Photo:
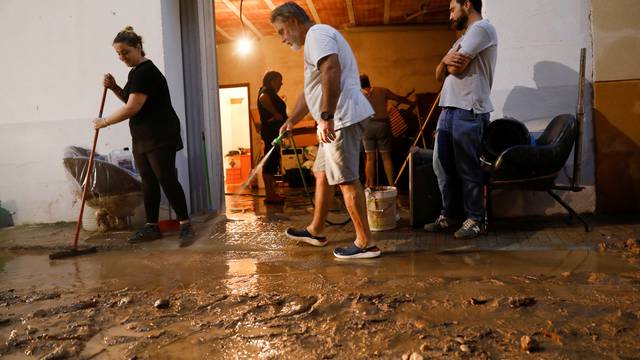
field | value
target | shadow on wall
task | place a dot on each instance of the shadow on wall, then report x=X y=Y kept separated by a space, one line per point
x=556 y=92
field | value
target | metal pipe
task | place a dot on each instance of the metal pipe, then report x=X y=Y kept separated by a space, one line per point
x=577 y=152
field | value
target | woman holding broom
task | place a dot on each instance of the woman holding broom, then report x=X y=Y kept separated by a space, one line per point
x=155 y=134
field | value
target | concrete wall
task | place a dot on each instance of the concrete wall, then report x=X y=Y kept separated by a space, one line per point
x=55 y=56
x=537 y=78
x=616 y=34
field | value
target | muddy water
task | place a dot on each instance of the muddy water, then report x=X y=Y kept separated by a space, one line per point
x=289 y=301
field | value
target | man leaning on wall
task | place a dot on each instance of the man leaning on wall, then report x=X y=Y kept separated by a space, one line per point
x=467 y=71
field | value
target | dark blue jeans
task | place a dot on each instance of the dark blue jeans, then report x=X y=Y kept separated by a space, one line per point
x=456 y=160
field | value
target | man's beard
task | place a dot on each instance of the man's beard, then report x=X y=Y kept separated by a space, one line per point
x=461 y=23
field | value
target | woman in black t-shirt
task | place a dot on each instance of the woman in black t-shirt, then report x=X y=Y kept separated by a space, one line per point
x=155 y=134
x=273 y=114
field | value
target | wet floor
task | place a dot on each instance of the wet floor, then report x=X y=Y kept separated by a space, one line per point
x=243 y=290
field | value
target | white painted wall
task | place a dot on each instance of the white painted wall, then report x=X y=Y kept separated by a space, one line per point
x=537 y=78
x=54 y=56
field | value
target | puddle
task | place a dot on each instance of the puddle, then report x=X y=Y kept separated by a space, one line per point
x=170 y=269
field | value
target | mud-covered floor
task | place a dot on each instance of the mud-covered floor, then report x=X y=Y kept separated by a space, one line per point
x=538 y=289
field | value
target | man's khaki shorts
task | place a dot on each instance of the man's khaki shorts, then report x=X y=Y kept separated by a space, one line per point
x=340 y=159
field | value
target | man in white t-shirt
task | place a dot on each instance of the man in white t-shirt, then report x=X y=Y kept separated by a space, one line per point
x=332 y=96
x=467 y=71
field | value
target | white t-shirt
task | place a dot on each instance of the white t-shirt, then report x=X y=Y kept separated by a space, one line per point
x=353 y=106
x=471 y=89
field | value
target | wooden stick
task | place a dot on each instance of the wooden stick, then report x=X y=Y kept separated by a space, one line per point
x=89 y=170
x=424 y=125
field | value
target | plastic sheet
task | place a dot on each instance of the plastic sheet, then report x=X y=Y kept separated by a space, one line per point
x=113 y=190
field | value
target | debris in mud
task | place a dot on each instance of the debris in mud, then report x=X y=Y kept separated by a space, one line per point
x=161 y=304
x=633 y=245
x=566 y=274
x=474 y=301
x=528 y=344
x=602 y=247
x=412 y=356
x=42 y=296
x=60 y=352
x=600 y=279
x=82 y=305
x=520 y=301
x=125 y=301
x=119 y=340
x=31 y=330
x=465 y=348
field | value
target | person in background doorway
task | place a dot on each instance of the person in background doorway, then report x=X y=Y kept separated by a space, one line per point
x=467 y=71
x=155 y=134
x=332 y=95
x=273 y=114
x=377 y=136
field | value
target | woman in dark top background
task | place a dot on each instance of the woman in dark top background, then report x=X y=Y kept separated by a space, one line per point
x=273 y=114
x=155 y=134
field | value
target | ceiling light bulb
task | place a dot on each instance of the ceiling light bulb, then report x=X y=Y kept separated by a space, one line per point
x=243 y=46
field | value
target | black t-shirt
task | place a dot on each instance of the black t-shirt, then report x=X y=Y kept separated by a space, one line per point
x=156 y=124
x=269 y=127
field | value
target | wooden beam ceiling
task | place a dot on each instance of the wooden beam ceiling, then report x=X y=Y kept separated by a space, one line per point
x=244 y=19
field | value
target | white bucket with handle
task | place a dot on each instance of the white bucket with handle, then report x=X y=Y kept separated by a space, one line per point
x=381 y=207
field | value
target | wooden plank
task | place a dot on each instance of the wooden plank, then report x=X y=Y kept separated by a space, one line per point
x=387 y=11
x=244 y=18
x=314 y=12
x=270 y=4
x=352 y=16
x=224 y=33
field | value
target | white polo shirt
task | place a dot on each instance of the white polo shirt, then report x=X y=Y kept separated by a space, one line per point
x=353 y=106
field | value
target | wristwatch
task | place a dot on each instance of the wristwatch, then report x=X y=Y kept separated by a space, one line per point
x=326 y=116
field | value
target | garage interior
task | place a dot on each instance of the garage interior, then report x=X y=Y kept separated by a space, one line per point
x=397 y=44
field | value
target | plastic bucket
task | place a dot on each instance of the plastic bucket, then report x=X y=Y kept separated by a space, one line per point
x=89 y=219
x=381 y=207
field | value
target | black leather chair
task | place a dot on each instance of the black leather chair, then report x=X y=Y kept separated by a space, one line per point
x=512 y=162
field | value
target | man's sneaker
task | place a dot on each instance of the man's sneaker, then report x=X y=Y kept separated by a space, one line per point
x=149 y=232
x=187 y=236
x=470 y=229
x=354 y=252
x=305 y=236
x=441 y=224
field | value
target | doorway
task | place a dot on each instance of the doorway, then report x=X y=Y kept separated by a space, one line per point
x=235 y=128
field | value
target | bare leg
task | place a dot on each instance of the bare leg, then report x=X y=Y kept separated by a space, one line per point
x=370 y=168
x=388 y=166
x=355 y=203
x=324 y=194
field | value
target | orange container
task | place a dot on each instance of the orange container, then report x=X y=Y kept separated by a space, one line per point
x=169 y=225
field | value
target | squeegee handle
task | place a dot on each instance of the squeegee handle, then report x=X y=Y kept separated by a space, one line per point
x=87 y=181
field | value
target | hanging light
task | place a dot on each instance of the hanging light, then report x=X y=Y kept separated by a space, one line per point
x=244 y=45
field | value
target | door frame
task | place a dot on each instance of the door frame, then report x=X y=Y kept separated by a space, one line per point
x=248 y=86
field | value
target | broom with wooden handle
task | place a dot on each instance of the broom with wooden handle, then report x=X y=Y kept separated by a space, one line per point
x=74 y=250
